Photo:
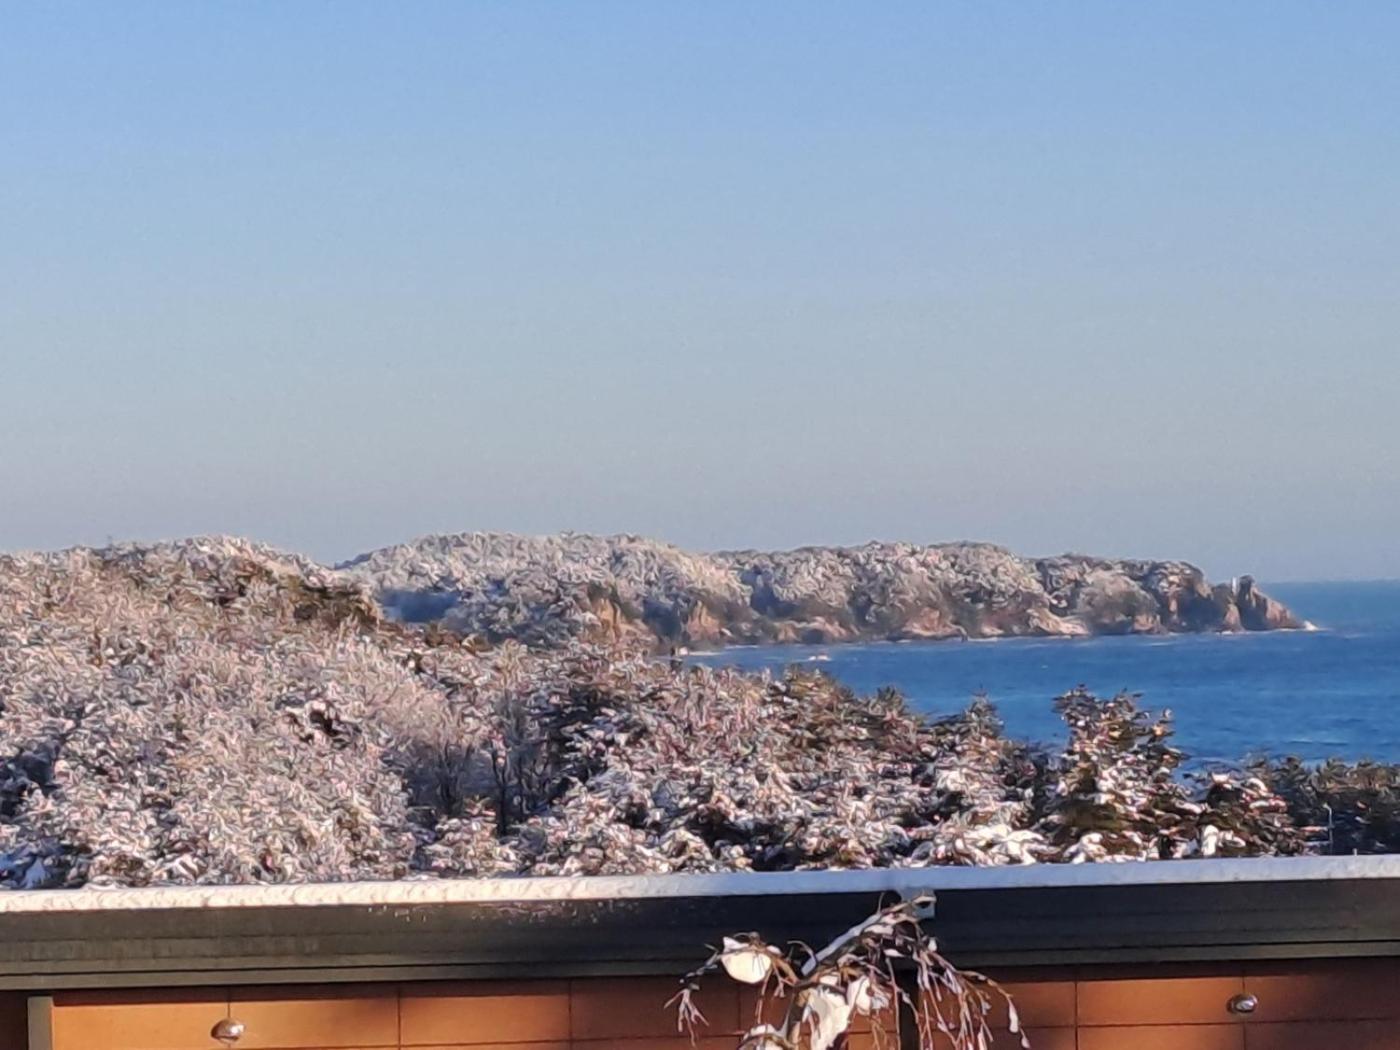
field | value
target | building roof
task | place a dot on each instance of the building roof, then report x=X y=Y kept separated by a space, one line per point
x=1042 y=914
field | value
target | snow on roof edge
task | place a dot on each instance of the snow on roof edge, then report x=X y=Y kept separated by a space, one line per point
x=905 y=882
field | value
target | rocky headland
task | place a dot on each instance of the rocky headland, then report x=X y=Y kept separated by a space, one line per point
x=637 y=591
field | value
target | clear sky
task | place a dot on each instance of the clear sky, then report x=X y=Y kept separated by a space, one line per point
x=1112 y=277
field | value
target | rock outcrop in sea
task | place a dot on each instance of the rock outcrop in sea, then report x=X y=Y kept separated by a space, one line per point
x=629 y=589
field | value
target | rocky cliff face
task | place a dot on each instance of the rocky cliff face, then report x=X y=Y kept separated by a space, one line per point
x=628 y=589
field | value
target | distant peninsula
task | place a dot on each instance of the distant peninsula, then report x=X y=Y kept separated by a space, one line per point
x=548 y=590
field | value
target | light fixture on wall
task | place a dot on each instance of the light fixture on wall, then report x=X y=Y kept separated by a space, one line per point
x=228 y=1031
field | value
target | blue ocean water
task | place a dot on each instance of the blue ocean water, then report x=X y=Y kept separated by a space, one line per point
x=1316 y=694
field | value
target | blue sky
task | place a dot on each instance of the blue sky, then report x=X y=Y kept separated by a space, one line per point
x=1119 y=278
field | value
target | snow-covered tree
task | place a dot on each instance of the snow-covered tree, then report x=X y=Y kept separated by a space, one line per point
x=808 y=1000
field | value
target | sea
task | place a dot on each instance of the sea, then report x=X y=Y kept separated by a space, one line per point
x=1331 y=691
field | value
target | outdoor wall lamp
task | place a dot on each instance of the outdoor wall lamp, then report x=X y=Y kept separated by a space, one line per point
x=228 y=1031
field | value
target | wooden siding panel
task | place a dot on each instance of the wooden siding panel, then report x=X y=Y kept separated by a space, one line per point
x=1041 y=1039
x=867 y=1040
x=14 y=1021
x=170 y=1019
x=1163 y=1037
x=1045 y=1007
x=1158 y=1001
x=1303 y=1005
x=475 y=1013
x=317 y=1018
x=1323 y=1035
x=1039 y=1004
x=608 y=1008
x=1326 y=990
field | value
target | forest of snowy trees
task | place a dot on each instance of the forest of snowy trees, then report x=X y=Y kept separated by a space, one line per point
x=214 y=711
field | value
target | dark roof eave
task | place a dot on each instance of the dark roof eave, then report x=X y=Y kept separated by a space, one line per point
x=661 y=923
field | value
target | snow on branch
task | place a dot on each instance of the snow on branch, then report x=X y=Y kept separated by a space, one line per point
x=808 y=1000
